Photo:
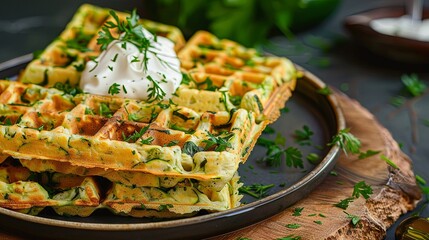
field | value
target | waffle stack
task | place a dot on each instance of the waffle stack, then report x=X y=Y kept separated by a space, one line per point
x=77 y=153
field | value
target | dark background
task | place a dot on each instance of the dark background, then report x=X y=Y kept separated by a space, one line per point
x=27 y=26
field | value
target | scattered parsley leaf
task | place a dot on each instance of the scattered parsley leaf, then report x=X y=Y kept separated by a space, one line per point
x=293 y=157
x=105 y=110
x=420 y=180
x=284 y=110
x=388 y=161
x=290 y=237
x=293 y=225
x=413 y=84
x=333 y=173
x=155 y=91
x=324 y=91
x=114 y=89
x=171 y=143
x=344 y=204
x=312 y=215
x=318 y=222
x=269 y=130
x=368 y=153
x=303 y=137
x=67 y=88
x=397 y=101
x=191 y=148
x=322 y=215
x=347 y=141
x=256 y=190
x=164 y=207
x=220 y=143
x=361 y=188
x=313 y=158
x=297 y=211
x=353 y=218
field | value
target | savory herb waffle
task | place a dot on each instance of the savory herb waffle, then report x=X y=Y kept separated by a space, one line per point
x=223 y=75
x=69 y=194
x=77 y=152
x=64 y=59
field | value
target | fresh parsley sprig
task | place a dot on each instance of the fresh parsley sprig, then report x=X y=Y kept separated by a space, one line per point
x=413 y=84
x=347 y=141
x=276 y=153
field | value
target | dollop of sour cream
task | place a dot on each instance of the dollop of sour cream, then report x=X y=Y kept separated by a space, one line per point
x=403 y=27
x=131 y=73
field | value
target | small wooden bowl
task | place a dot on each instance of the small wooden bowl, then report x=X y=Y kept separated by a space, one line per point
x=397 y=48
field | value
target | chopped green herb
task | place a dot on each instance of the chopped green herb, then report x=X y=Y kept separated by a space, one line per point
x=136 y=135
x=397 y=101
x=353 y=218
x=124 y=89
x=156 y=93
x=220 y=142
x=172 y=143
x=114 y=89
x=344 y=204
x=303 y=137
x=321 y=215
x=256 y=190
x=269 y=130
x=297 y=211
x=333 y=173
x=209 y=86
x=347 y=141
x=312 y=215
x=420 y=180
x=236 y=100
x=67 y=88
x=388 y=161
x=105 y=110
x=318 y=222
x=79 y=67
x=293 y=225
x=313 y=158
x=284 y=110
x=361 y=188
x=191 y=148
x=368 y=153
x=290 y=237
x=325 y=91
x=413 y=84
x=164 y=207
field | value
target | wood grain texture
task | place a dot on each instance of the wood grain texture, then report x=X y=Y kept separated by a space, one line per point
x=395 y=191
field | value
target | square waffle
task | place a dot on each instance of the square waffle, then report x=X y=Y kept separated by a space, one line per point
x=80 y=152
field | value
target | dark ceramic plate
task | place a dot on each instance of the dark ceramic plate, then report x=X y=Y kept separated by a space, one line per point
x=397 y=48
x=307 y=107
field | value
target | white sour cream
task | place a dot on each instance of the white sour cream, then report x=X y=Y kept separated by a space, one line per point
x=123 y=65
x=402 y=27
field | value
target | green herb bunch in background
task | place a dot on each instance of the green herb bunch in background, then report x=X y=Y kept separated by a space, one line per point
x=249 y=22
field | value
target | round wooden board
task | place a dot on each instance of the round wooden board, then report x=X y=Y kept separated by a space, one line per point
x=395 y=191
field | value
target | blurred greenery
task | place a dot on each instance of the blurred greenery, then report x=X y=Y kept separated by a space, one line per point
x=247 y=21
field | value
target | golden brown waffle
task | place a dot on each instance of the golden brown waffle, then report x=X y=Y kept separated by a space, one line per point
x=132 y=157
x=223 y=75
x=64 y=59
x=113 y=133
x=69 y=194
